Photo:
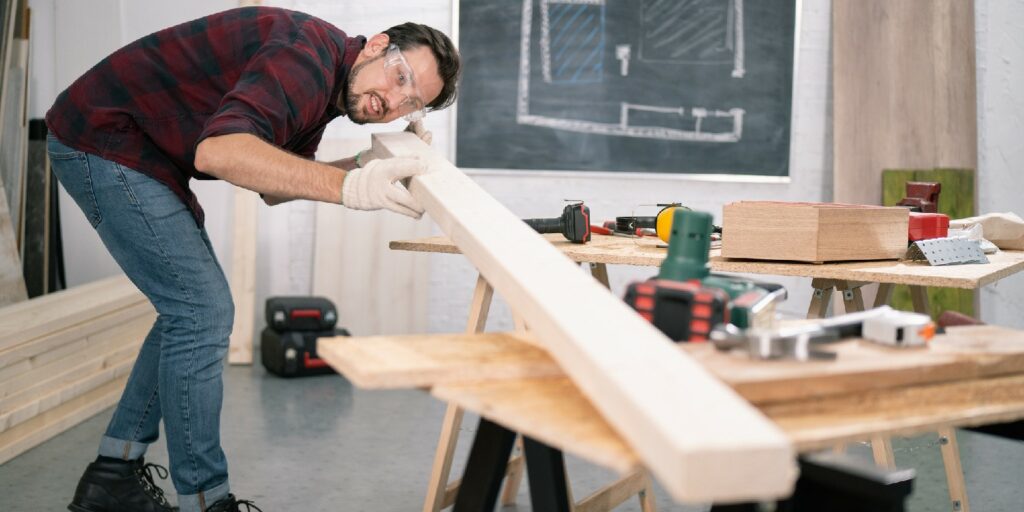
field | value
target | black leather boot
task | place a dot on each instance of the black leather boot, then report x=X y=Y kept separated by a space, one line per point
x=232 y=504
x=115 y=485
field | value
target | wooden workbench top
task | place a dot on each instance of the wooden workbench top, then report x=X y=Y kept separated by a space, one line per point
x=617 y=250
x=970 y=376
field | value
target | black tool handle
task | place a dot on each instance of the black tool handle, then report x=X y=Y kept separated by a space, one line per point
x=545 y=225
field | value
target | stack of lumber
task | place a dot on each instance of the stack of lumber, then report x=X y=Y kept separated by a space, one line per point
x=65 y=357
x=813 y=232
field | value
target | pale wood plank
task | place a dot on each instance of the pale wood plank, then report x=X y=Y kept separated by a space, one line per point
x=48 y=347
x=243 y=277
x=704 y=445
x=613 y=494
x=47 y=425
x=643 y=252
x=44 y=315
x=954 y=470
x=903 y=91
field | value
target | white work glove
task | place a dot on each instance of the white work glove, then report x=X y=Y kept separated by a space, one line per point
x=424 y=134
x=376 y=186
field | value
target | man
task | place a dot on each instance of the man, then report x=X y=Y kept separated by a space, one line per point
x=241 y=96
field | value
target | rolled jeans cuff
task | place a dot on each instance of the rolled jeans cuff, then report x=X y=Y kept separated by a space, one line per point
x=121 y=449
x=204 y=499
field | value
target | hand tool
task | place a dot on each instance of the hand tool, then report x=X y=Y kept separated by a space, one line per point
x=882 y=325
x=685 y=301
x=574 y=223
x=922 y=196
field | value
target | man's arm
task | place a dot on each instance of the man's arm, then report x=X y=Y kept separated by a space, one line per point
x=249 y=162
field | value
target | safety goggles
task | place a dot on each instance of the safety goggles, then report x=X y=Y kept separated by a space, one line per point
x=400 y=77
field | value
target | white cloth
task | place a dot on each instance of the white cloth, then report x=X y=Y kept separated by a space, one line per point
x=1006 y=230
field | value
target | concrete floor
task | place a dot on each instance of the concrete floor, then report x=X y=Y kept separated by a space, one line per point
x=317 y=444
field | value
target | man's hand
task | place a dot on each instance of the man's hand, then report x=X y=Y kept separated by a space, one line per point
x=424 y=134
x=376 y=186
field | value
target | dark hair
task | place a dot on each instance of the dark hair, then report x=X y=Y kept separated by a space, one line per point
x=410 y=35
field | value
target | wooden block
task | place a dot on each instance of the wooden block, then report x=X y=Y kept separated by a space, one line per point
x=813 y=232
x=391 y=362
x=707 y=444
x=41 y=428
x=56 y=311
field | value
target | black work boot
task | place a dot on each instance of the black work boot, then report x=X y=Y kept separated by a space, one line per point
x=232 y=504
x=115 y=485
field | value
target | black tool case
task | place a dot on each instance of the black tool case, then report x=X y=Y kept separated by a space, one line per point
x=286 y=314
x=293 y=353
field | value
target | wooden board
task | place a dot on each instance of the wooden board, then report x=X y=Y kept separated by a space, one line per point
x=60 y=343
x=644 y=252
x=903 y=78
x=705 y=445
x=390 y=362
x=813 y=232
x=955 y=200
x=964 y=353
x=57 y=311
x=47 y=425
x=243 y=277
x=12 y=283
x=555 y=412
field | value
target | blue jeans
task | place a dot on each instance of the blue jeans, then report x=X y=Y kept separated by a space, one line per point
x=177 y=377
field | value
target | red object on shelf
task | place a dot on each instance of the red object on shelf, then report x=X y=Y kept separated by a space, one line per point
x=924 y=226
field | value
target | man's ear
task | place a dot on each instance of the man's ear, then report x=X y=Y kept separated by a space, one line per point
x=376 y=45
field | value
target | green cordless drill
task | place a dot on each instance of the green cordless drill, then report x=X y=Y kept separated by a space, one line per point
x=686 y=301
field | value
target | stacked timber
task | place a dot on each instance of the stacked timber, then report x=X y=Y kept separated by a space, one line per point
x=813 y=232
x=65 y=357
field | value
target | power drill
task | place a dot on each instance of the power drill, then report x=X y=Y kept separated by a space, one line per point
x=686 y=301
x=574 y=223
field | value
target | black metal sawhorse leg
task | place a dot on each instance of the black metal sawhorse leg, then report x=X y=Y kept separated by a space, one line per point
x=840 y=483
x=488 y=458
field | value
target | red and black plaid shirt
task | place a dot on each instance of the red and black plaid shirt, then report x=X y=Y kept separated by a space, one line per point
x=274 y=73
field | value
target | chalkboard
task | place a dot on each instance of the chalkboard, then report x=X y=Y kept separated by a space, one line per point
x=666 y=86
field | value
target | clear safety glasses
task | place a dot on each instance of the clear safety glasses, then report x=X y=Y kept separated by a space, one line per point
x=399 y=75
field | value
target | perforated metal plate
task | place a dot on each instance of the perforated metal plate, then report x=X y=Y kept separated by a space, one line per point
x=947 y=251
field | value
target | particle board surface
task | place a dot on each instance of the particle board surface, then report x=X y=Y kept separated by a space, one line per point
x=644 y=252
x=813 y=232
x=707 y=445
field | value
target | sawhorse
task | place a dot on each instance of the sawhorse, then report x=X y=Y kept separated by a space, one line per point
x=441 y=493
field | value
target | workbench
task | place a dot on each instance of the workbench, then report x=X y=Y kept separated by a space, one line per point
x=846 y=278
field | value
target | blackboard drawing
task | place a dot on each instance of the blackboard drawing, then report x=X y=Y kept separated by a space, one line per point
x=571 y=44
x=693 y=31
x=575 y=31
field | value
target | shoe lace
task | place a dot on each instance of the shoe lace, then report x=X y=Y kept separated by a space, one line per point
x=149 y=485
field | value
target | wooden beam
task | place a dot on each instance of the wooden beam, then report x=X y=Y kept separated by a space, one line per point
x=243 y=277
x=702 y=441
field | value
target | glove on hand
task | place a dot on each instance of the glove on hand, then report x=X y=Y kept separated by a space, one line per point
x=376 y=186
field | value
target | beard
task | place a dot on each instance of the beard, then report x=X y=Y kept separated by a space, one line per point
x=351 y=97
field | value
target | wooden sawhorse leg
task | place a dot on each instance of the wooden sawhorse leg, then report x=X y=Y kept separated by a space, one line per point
x=441 y=494
x=881 y=446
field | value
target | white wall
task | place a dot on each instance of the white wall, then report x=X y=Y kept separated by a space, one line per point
x=1000 y=54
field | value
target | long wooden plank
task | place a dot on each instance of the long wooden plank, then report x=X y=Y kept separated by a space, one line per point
x=60 y=343
x=243 y=277
x=47 y=425
x=644 y=252
x=707 y=444
x=56 y=311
